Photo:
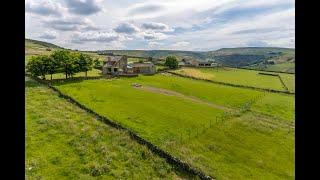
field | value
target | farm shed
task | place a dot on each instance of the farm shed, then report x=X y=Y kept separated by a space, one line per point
x=141 y=68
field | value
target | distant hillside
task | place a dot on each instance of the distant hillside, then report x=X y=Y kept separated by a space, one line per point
x=45 y=44
x=252 y=55
x=264 y=58
x=161 y=54
x=34 y=47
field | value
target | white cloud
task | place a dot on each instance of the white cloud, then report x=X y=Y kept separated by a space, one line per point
x=162 y=24
x=70 y=24
x=181 y=45
x=154 y=36
x=80 y=37
x=126 y=28
x=84 y=7
x=157 y=26
x=49 y=35
x=154 y=45
x=46 y=7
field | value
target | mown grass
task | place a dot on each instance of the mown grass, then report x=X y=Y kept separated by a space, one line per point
x=140 y=109
x=234 y=76
x=223 y=95
x=64 y=142
x=250 y=146
x=289 y=81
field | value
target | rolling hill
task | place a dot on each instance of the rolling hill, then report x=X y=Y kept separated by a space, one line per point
x=262 y=58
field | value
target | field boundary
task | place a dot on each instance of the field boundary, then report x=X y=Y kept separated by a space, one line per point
x=260 y=70
x=284 y=85
x=230 y=84
x=174 y=161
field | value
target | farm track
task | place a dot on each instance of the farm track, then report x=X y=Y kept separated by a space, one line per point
x=191 y=98
x=263 y=118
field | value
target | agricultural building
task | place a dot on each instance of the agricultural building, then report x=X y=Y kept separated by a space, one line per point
x=141 y=68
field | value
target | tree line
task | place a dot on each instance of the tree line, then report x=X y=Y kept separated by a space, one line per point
x=61 y=61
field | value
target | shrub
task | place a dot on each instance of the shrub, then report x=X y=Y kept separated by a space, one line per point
x=171 y=62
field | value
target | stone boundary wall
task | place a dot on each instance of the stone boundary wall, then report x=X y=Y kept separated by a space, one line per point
x=177 y=163
x=234 y=85
x=260 y=70
x=268 y=74
x=283 y=84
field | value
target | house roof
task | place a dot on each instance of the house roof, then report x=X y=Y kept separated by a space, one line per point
x=141 y=64
x=113 y=58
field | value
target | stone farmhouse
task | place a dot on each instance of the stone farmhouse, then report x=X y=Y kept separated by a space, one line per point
x=118 y=65
x=115 y=65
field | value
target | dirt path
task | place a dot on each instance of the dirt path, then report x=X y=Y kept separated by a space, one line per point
x=191 y=98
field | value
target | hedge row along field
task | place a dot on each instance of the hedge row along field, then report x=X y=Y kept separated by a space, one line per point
x=64 y=142
x=239 y=77
x=182 y=116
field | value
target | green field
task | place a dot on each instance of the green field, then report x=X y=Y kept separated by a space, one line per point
x=289 y=81
x=64 y=142
x=282 y=67
x=238 y=77
x=179 y=115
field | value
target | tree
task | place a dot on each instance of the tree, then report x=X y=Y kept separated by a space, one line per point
x=37 y=67
x=96 y=63
x=171 y=62
x=50 y=65
x=84 y=63
x=63 y=60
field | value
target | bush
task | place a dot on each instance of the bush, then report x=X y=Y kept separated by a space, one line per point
x=171 y=62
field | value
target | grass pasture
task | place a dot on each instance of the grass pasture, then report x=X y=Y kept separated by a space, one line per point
x=236 y=76
x=64 y=142
x=249 y=146
x=284 y=67
x=289 y=81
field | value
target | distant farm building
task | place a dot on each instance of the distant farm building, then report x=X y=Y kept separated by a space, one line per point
x=190 y=62
x=196 y=63
x=118 y=65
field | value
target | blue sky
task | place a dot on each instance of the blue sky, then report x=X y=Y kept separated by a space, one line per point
x=199 y=25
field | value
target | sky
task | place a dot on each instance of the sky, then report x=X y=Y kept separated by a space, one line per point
x=192 y=25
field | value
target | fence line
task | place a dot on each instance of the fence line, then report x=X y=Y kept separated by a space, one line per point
x=181 y=165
